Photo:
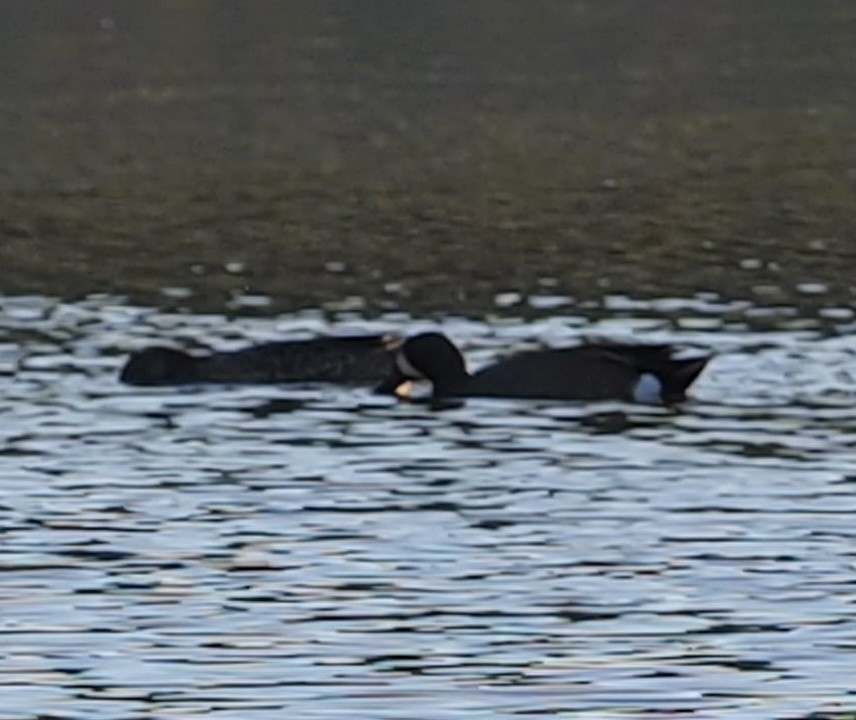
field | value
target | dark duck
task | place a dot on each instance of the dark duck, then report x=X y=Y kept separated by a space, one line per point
x=593 y=371
x=362 y=359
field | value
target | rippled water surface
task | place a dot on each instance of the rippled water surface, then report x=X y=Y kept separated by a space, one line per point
x=270 y=552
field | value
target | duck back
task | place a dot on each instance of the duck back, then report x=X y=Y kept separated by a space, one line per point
x=350 y=360
x=646 y=373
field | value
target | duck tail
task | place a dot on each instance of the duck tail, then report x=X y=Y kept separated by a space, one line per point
x=674 y=375
x=678 y=375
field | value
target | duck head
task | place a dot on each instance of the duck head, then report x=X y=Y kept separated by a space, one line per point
x=428 y=356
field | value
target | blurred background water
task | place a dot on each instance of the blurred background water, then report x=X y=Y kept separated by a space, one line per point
x=516 y=175
x=427 y=156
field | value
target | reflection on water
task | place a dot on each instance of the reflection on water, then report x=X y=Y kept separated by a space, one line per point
x=244 y=552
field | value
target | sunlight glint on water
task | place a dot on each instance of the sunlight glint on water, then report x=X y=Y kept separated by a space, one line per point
x=216 y=551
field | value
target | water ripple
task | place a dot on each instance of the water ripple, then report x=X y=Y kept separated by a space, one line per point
x=240 y=552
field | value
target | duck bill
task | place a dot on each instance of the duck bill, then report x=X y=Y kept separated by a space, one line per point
x=396 y=383
x=402 y=392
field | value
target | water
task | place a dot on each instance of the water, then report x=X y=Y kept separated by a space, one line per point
x=427 y=157
x=560 y=169
x=262 y=552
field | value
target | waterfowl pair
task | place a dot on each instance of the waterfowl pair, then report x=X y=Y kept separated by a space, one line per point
x=601 y=371
x=362 y=359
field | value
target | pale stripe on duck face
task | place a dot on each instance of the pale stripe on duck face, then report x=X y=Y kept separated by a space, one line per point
x=406 y=368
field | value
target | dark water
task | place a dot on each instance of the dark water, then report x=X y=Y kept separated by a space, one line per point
x=427 y=156
x=321 y=552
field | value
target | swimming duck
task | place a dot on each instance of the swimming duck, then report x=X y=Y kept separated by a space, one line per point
x=599 y=371
x=362 y=359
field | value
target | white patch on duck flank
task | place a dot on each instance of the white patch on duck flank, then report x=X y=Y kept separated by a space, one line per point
x=648 y=389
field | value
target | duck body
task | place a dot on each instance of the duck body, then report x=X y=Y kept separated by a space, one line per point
x=362 y=359
x=599 y=371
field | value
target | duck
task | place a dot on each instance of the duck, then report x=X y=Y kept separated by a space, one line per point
x=642 y=373
x=356 y=359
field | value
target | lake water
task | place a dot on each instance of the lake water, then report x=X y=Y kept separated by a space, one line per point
x=427 y=157
x=659 y=169
x=267 y=552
